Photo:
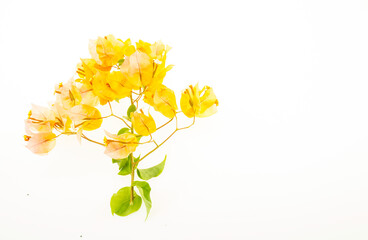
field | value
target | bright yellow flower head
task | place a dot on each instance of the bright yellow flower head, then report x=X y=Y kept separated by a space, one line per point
x=137 y=69
x=107 y=51
x=120 y=146
x=87 y=69
x=144 y=125
x=40 y=120
x=68 y=94
x=41 y=143
x=199 y=103
x=86 y=117
x=109 y=86
x=162 y=99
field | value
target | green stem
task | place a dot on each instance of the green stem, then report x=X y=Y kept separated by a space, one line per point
x=132 y=179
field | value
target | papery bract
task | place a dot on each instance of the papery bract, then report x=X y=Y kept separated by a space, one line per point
x=41 y=143
x=162 y=99
x=87 y=117
x=106 y=51
x=137 y=69
x=144 y=125
x=109 y=86
x=120 y=146
x=68 y=94
x=199 y=103
x=40 y=120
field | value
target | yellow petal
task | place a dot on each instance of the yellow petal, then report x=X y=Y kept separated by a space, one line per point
x=138 y=70
x=121 y=145
x=143 y=125
x=208 y=102
x=186 y=104
x=199 y=103
x=86 y=116
x=162 y=99
x=41 y=143
x=106 y=51
x=117 y=83
x=68 y=94
x=40 y=119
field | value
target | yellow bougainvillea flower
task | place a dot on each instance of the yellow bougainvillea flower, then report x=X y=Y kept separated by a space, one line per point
x=63 y=122
x=40 y=120
x=41 y=143
x=128 y=48
x=109 y=86
x=68 y=94
x=144 y=125
x=107 y=51
x=88 y=97
x=154 y=70
x=120 y=146
x=199 y=103
x=162 y=99
x=87 y=117
x=137 y=69
x=87 y=69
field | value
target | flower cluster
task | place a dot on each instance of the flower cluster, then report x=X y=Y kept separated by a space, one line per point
x=116 y=70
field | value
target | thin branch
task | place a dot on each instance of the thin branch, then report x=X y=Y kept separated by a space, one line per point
x=84 y=136
x=177 y=129
x=164 y=124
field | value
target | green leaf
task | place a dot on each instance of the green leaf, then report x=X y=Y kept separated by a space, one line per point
x=123 y=130
x=149 y=173
x=131 y=109
x=137 y=158
x=116 y=161
x=138 y=137
x=121 y=61
x=145 y=190
x=125 y=166
x=120 y=202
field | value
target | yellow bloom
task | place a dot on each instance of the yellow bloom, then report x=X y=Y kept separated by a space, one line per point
x=86 y=92
x=120 y=146
x=87 y=117
x=157 y=52
x=199 y=103
x=41 y=143
x=106 y=51
x=137 y=69
x=162 y=99
x=128 y=48
x=109 y=86
x=68 y=94
x=87 y=69
x=142 y=124
x=40 y=120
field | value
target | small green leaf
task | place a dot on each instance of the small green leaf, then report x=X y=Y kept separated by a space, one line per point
x=125 y=166
x=145 y=190
x=138 y=137
x=120 y=202
x=149 y=173
x=131 y=109
x=137 y=158
x=116 y=161
x=123 y=130
x=121 y=61
x=126 y=118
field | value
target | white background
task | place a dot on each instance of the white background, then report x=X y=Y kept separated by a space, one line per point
x=285 y=157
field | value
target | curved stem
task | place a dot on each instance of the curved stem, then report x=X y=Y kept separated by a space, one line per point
x=84 y=136
x=177 y=129
x=122 y=119
x=132 y=179
x=164 y=124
